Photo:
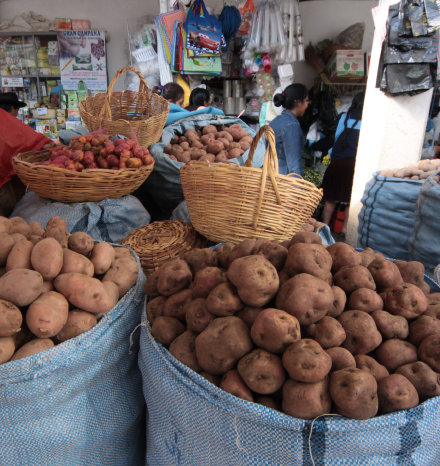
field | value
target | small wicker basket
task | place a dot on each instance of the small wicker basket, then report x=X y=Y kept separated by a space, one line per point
x=141 y=113
x=161 y=241
x=228 y=202
x=64 y=185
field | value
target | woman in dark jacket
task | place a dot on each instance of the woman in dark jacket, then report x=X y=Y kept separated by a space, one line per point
x=338 y=178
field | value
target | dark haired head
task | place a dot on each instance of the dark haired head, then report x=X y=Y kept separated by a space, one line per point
x=199 y=97
x=172 y=92
x=291 y=96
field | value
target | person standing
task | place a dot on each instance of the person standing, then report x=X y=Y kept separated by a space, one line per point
x=289 y=137
x=338 y=178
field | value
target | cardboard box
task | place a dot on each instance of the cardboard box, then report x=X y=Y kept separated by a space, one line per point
x=80 y=24
x=346 y=64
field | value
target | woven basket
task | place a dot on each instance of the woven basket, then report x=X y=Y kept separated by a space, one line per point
x=228 y=202
x=163 y=240
x=64 y=185
x=141 y=113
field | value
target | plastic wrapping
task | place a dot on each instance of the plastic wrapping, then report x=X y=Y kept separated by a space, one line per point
x=432 y=8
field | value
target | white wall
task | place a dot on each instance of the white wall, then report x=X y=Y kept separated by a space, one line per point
x=321 y=19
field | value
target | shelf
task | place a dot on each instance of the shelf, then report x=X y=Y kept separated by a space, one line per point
x=27 y=34
x=56 y=76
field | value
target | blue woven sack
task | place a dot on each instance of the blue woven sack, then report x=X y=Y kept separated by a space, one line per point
x=109 y=220
x=424 y=244
x=191 y=421
x=163 y=186
x=388 y=215
x=79 y=403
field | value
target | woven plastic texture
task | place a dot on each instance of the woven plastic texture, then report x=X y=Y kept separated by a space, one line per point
x=108 y=220
x=79 y=403
x=191 y=421
x=388 y=215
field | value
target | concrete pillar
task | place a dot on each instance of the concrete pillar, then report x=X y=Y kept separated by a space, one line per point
x=391 y=136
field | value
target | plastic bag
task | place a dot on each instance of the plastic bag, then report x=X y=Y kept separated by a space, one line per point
x=352 y=37
x=432 y=8
x=246 y=12
x=412 y=18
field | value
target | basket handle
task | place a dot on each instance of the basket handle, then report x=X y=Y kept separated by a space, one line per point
x=106 y=111
x=270 y=166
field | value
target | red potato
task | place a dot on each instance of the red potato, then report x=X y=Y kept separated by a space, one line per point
x=309 y=258
x=365 y=299
x=223 y=300
x=7 y=349
x=305 y=237
x=74 y=262
x=361 y=332
x=206 y=280
x=78 y=322
x=343 y=255
x=274 y=330
x=390 y=326
x=6 y=244
x=396 y=393
x=173 y=276
x=200 y=258
x=306 y=400
x=341 y=358
x=327 y=332
x=369 y=364
x=21 y=286
x=47 y=258
x=20 y=256
x=351 y=278
x=102 y=256
x=36 y=228
x=123 y=272
x=232 y=383
x=197 y=315
x=175 y=304
x=261 y=371
x=183 y=348
x=32 y=347
x=19 y=225
x=56 y=228
x=11 y=319
x=385 y=274
x=81 y=242
x=394 y=353
x=405 y=300
x=274 y=252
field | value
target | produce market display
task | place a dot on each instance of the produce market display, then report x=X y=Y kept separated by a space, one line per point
x=55 y=285
x=419 y=171
x=300 y=327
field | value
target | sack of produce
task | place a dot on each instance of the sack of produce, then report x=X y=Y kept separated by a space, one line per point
x=71 y=389
x=388 y=214
x=424 y=243
x=292 y=353
x=162 y=191
x=108 y=220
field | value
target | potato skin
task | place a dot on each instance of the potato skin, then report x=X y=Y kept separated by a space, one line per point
x=425 y=380
x=327 y=332
x=20 y=256
x=429 y=351
x=339 y=302
x=6 y=244
x=47 y=315
x=365 y=299
x=306 y=361
x=343 y=255
x=32 y=347
x=261 y=371
x=309 y=258
x=385 y=274
x=200 y=258
x=56 y=228
x=422 y=327
x=306 y=400
x=223 y=300
x=405 y=300
x=124 y=273
x=197 y=315
x=393 y=353
x=11 y=319
x=395 y=393
x=206 y=280
x=350 y=278
x=47 y=258
x=274 y=330
x=81 y=242
x=255 y=278
x=102 y=257
x=7 y=349
x=369 y=364
x=232 y=383
x=77 y=323
x=166 y=329
x=173 y=276
x=155 y=308
x=354 y=393
x=305 y=237
x=248 y=314
x=223 y=342
x=274 y=252
x=175 y=304
x=411 y=272
x=390 y=326
x=21 y=286
x=183 y=348
x=341 y=358
x=76 y=262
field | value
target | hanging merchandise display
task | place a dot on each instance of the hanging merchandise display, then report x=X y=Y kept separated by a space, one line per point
x=246 y=11
x=165 y=27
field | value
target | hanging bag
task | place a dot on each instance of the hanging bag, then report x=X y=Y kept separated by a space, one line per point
x=247 y=11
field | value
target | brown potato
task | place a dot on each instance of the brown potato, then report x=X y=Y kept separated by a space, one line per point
x=209 y=129
x=102 y=256
x=395 y=393
x=10 y=319
x=155 y=308
x=255 y=278
x=207 y=138
x=343 y=255
x=206 y=280
x=166 y=329
x=394 y=353
x=6 y=244
x=150 y=287
x=245 y=248
x=248 y=314
x=411 y=272
x=367 y=256
x=7 y=349
x=424 y=379
x=270 y=401
x=306 y=361
x=273 y=252
x=56 y=228
x=21 y=286
x=223 y=252
x=36 y=228
x=81 y=242
x=390 y=326
x=173 y=276
x=327 y=332
x=341 y=358
x=429 y=352
x=197 y=315
x=175 y=304
x=78 y=322
x=369 y=364
x=199 y=259
x=305 y=237
x=262 y=371
x=306 y=400
x=351 y=278
x=225 y=135
x=309 y=258
x=365 y=299
x=183 y=348
x=47 y=258
x=74 y=262
x=223 y=300
x=306 y=297
x=361 y=331
x=385 y=274
x=274 y=330
x=232 y=383
x=354 y=393
x=223 y=342
x=215 y=380
x=422 y=327
x=20 y=256
x=19 y=225
x=5 y=225
x=32 y=347
x=405 y=300
x=124 y=273
x=339 y=301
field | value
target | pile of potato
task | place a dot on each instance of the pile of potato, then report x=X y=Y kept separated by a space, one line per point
x=212 y=143
x=55 y=285
x=419 y=171
x=300 y=327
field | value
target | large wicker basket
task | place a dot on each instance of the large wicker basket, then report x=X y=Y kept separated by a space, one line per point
x=161 y=241
x=228 y=202
x=141 y=113
x=64 y=185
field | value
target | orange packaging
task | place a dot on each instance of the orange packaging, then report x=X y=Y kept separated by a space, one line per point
x=80 y=24
x=63 y=23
